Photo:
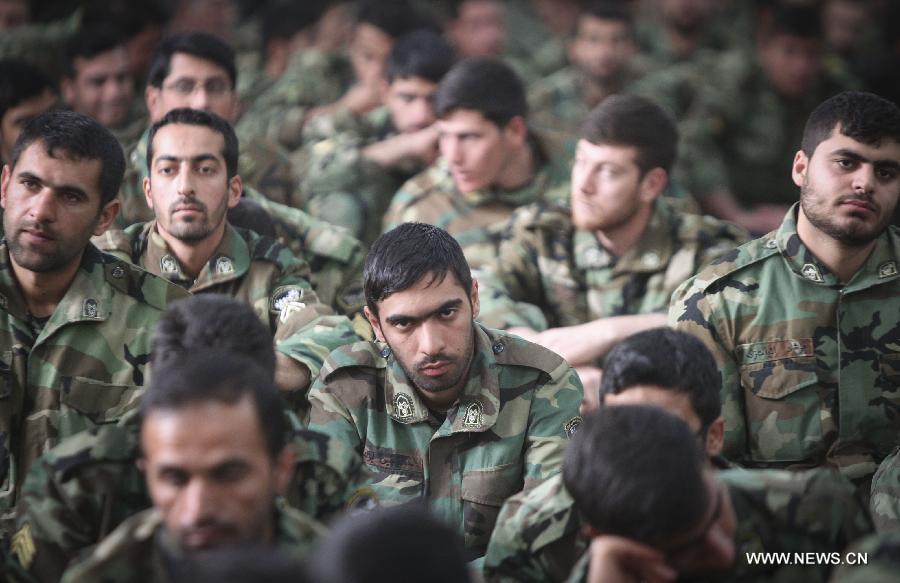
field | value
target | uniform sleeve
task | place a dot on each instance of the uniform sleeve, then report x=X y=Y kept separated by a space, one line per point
x=330 y=415
x=552 y=420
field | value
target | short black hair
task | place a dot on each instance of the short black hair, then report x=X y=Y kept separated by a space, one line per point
x=212 y=321
x=404 y=543
x=76 y=136
x=87 y=44
x=19 y=82
x=407 y=253
x=197 y=44
x=671 y=360
x=392 y=17
x=422 y=53
x=792 y=19
x=244 y=564
x=631 y=120
x=488 y=86
x=282 y=19
x=604 y=10
x=223 y=376
x=196 y=117
x=865 y=117
x=637 y=472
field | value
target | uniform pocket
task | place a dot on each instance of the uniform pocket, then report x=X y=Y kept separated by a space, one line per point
x=96 y=401
x=483 y=493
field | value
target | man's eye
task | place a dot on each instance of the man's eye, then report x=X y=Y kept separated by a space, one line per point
x=402 y=324
x=173 y=478
x=205 y=169
x=846 y=163
x=165 y=170
x=72 y=197
x=29 y=184
x=447 y=313
x=886 y=173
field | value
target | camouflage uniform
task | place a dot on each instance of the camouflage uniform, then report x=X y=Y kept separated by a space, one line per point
x=506 y=432
x=544 y=260
x=141 y=551
x=780 y=511
x=885 y=499
x=255 y=270
x=810 y=366
x=41 y=44
x=882 y=553
x=134 y=126
x=81 y=367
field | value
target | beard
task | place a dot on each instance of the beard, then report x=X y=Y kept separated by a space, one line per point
x=196 y=229
x=852 y=233
x=458 y=367
x=56 y=257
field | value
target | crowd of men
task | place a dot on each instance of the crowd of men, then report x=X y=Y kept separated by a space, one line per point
x=468 y=290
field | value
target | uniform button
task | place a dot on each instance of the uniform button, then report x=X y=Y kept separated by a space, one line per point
x=118 y=272
x=385 y=352
x=498 y=347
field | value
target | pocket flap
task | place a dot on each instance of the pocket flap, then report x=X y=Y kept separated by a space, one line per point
x=492 y=486
x=101 y=402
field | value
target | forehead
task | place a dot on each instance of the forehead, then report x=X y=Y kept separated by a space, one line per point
x=676 y=403
x=60 y=169
x=606 y=153
x=478 y=9
x=116 y=57
x=588 y=23
x=185 y=65
x=884 y=149
x=372 y=37
x=414 y=85
x=187 y=140
x=464 y=120
x=423 y=297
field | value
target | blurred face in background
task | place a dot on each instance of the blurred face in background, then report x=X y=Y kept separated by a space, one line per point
x=101 y=87
x=479 y=29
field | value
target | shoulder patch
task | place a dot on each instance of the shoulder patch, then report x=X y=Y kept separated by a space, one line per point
x=22 y=546
x=359 y=354
x=572 y=425
x=363 y=500
x=285 y=295
x=742 y=256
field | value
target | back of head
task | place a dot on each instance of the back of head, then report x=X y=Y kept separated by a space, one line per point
x=392 y=17
x=422 y=53
x=397 y=544
x=667 y=359
x=401 y=257
x=636 y=471
x=630 y=120
x=20 y=82
x=202 y=118
x=792 y=19
x=201 y=45
x=609 y=10
x=865 y=117
x=485 y=85
x=76 y=136
x=238 y=565
x=89 y=43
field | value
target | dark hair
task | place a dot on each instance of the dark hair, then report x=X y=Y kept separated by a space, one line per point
x=87 y=44
x=636 y=471
x=791 y=19
x=604 y=10
x=485 y=85
x=197 y=44
x=204 y=375
x=865 y=117
x=244 y=564
x=19 y=82
x=671 y=360
x=282 y=19
x=392 y=17
x=404 y=255
x=403 y=543
x=631 y=120
x=76 y=137
x=422 y=53
x=212 y=321
x=196 y=117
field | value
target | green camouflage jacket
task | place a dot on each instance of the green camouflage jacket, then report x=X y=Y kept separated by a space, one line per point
x=884 y=502
x=814 y=511
x=139 y=550
x=810 y=366
x=256 y=270
x=881 y=553
x=544 y=260
x=83 y=367
x=507 y=431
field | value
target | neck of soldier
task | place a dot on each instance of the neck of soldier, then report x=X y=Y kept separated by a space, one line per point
x=518 y=170
x=44 y=290
x=193 y=255
x=622 y=238
x=595 y=89
x=841 y=259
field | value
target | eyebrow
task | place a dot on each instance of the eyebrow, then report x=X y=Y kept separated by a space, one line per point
x=845 y=153
x=413 y=319
x=195 y=159
x=60 y=187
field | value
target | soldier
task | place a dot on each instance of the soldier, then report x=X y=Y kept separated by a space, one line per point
x=657 y=511
x=603 y=268
x=442 y=409
x=801 y=320
x=25 y=93
x=193 y=180
x=476 y=28
x=491 y=162
x=215 y=458
x=74 y=321
x=353 y=174
x=539 y=534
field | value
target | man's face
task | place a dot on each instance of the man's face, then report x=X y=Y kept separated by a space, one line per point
x=196 y=83
x=479 y=30
x=52 y=209
x=607 y=186
x=792 y=64
x=848 y=190
x=429 y=328
x=18 y=116
x=369 y=51
x=477 y=150
x=188 y=186
x=602 y=48
x=102 y=87
x=13 y=13
x=210 y=474
x=845 y=22
x=411 y=103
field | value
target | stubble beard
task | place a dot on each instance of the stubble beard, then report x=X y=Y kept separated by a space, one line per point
x=853 y=234
x=459 y=367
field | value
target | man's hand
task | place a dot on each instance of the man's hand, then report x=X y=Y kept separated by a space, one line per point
x=420 y=145
x=620 y=560
x=291 y=376
x=590 y=379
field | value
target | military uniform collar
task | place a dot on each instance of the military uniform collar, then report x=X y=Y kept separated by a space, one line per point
x=230 y=261
x=530 y=192
x=478 y=406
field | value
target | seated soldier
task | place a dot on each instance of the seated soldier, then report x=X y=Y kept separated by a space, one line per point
x=491 y=162
x=539 y=534
x=655 y=509
x=605 y=266
x=443 y=410
x=215 y=456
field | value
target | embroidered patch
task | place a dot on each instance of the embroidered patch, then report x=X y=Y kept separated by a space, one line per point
x=651 y=259
x=285 y=295
x=90 y=308
x=363 y=500
x=288 y=309
x=571 y=426
x=224 y=265
x=3 y=301
x=758 y=352
x=118 y=272
x=811 y=272
x=474 y=414
x=403 y=406
x=22 y=546
x=887 y=269
x=167 y=264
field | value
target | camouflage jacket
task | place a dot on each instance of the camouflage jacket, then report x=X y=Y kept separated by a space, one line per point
x=810 y=366
x=83 y=488
x=140 y=551
x=782 y=512
x=83 y=367
x=256 y=270
x=884 y=502
x=881 y=553
x=544 y=260
x=506 y=432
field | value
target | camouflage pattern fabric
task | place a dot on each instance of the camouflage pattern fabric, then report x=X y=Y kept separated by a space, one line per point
x=82 y=367
x=41 y=44
x=256 y=270
x=810 y=366
x=140 y=549
x=882 y=555
x=884 y=502
x=506 y=432
x=134 y=127
x=544 y=260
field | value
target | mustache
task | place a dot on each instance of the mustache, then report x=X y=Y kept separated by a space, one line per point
x=39 y=227
x=439 y=357
x=184 y=203
x=866 y=198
